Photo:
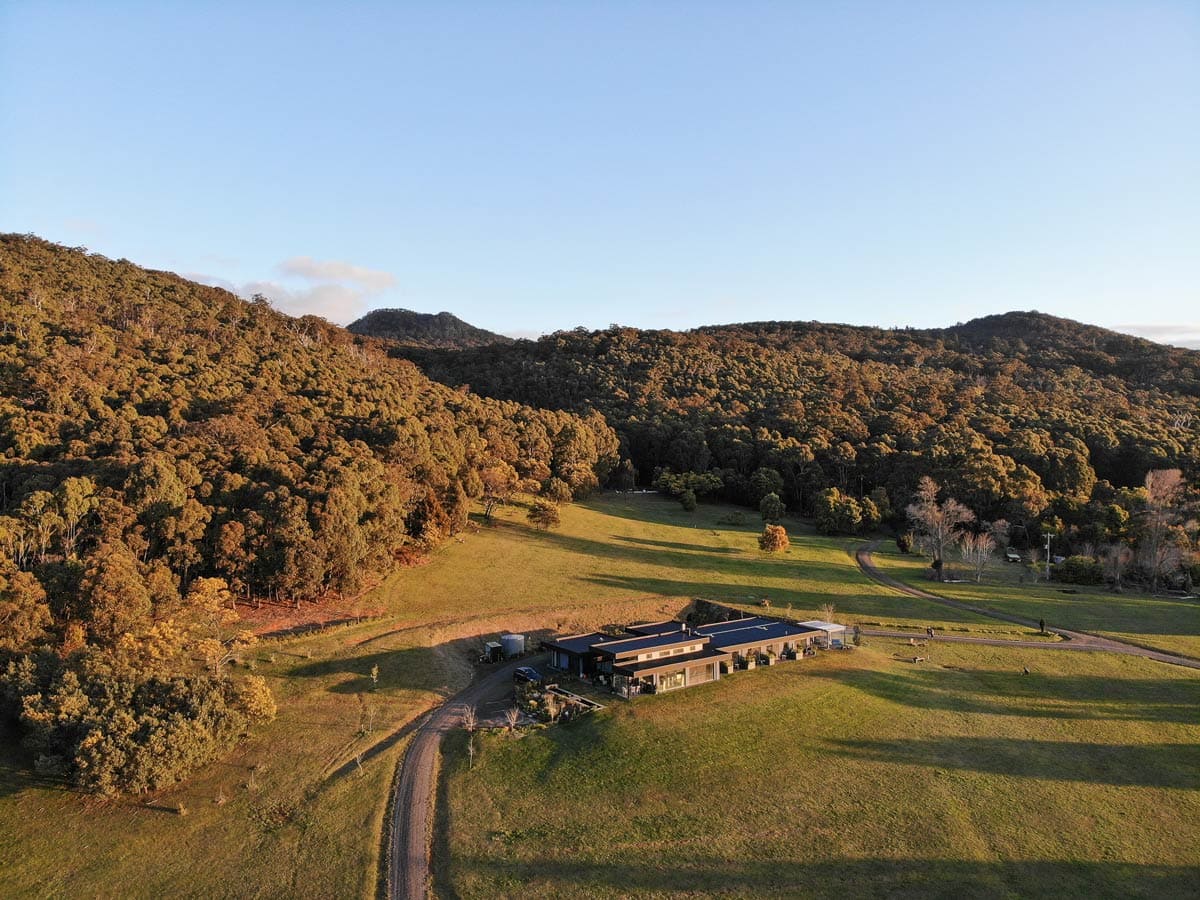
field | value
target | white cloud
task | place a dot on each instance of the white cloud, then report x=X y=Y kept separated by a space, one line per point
x=309 y=269
x=1178 y=335
x=335 y=290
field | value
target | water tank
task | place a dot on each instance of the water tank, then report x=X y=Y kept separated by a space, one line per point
x=513 y=644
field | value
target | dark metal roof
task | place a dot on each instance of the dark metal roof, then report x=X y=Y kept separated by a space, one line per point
x=577 y=643
x=649 y=628
x=755 y=635
x=622 y=646
x=646 y=666
x=733 y=624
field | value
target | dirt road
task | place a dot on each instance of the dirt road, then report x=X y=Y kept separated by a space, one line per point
x=1072 y=640
x=416 y=782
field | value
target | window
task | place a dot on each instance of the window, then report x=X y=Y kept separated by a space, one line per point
x=671 y=681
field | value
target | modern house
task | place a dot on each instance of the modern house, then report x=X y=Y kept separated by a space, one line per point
x=665 y=656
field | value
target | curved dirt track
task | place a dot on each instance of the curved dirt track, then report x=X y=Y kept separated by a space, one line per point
x=416 y=783
x=1072 y=640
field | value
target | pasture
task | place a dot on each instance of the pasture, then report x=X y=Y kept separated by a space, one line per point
x=297 y=808
x=1161 y=622
x=852 y=774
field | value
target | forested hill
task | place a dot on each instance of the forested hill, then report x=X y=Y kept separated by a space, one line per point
x=227 y=438
x=163 y=443
x=1018 y=415
x=424 y=329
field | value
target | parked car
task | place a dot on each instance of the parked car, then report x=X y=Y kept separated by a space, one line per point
x=527 y=673
x=1012 y=555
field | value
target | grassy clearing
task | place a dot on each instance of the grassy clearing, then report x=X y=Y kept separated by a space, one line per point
x=850 y=775
x=1160 y=622
x=622 y=547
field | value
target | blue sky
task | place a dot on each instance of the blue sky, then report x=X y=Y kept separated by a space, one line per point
x=535 y=166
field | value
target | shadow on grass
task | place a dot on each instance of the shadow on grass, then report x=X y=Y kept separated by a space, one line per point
x=658 y=554
x=840 y=878
x=674 y=545
x=1009 y=693
x=881 y=607
x=412 y=668
x=1122 y=765
x=17 y=772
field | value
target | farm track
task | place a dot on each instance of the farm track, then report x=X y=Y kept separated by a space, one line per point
x=1072 y=640
x=413 y=793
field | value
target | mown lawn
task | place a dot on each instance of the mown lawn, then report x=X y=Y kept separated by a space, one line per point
x=1161 y=622
x=851 y=775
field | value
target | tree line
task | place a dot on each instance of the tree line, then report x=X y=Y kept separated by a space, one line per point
x=1157 y=549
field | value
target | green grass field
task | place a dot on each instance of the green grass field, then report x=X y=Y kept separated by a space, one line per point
x=1160 y=622
x=851 y=775
x=628 y=547
x=289 y=814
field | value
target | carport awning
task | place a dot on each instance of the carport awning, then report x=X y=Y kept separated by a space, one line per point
x=827 y=627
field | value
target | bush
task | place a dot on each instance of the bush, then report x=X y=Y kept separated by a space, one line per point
x=836 y=513
x=543 y=514
x=904 y=543
x=1078 y=570
x=688 y=500
x=109 y=730
x=773 y=539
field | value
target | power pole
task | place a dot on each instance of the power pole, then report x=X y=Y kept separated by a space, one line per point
x=1047 y=557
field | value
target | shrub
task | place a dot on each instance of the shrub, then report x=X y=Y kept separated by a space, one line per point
x=1078 y=570
x=904 y=543
x=773 y=539
x=544 y=514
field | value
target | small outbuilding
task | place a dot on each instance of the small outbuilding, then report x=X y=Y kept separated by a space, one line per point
x=831 y=634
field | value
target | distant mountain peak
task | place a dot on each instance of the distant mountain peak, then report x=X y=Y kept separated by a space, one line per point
x=441 y=330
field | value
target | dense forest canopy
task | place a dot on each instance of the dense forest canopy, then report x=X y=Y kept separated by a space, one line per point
x=1021 y=416
x=164 y=446
x=424 y=329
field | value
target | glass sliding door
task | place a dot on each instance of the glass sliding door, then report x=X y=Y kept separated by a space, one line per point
x=671 y=681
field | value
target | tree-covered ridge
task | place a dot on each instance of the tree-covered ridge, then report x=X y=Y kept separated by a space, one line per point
x=416 y=329
x=164 y=446
x=1016 y=427
x=226 y=438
